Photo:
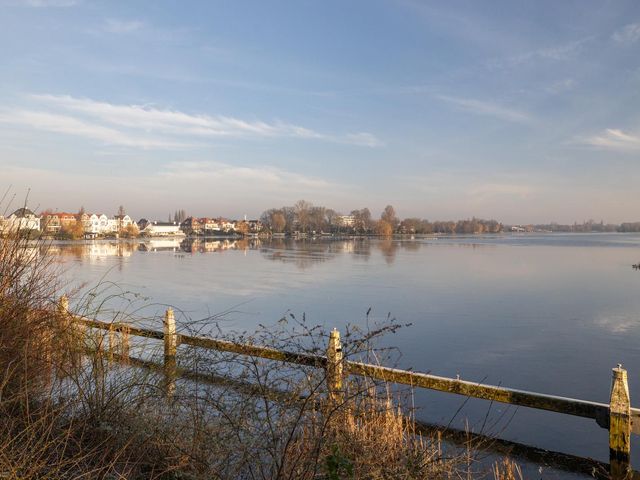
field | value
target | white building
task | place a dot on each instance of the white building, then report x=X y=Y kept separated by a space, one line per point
x=21 y=219
x=122 y=222
x=210 y=225
x=227 y=225
x=162 y=229
x=100 y=224
x=346 y=220
x=112 y=225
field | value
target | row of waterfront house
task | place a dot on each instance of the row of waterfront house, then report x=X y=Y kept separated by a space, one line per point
x=94 y=225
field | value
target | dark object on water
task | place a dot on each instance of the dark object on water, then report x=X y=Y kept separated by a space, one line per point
x=636 y=266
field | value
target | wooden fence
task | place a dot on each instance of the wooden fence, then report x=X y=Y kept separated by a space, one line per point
x=618 y=417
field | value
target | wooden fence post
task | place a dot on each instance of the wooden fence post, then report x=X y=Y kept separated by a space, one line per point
x=334 y=368
x=619 y=424
x=124 y=342
x=119 y=341
x=113 y=341
x=63 y=306
x=170 y=349
x=69 y=329
x=65 y=321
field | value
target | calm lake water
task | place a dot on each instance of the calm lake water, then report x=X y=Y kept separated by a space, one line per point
x=548 y=313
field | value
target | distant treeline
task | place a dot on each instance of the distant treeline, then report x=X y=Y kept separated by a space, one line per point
x=585 y=227
x=305 y=217
x=629 y=227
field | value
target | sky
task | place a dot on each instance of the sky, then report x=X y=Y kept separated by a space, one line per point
x=526 y=112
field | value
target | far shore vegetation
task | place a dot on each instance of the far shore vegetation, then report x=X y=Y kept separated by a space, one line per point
x=300 y=220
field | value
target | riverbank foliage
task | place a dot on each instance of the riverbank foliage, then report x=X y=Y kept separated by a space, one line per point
x=305 y=217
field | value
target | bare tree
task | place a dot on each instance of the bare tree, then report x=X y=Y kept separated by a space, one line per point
x=389 y=216
x=278 y=222
x=302 y=210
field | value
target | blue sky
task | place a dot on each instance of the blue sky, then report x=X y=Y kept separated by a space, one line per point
x=520 y=111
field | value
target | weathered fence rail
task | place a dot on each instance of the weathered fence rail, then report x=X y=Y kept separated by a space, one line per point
x=618 y=417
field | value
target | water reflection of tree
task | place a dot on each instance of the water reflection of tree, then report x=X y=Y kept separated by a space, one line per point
x=410 y=245
x=303 y=254
x=388 y=249
x=306 y=253
x=362 y=248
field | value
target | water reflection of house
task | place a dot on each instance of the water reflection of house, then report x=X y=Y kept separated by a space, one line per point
x=108 y=250
x=160 y=245
x=204 y=246
x=91 y=250
x=345 y=246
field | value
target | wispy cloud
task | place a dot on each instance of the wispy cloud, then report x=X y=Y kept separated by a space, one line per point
x=492 y=190
x=482 y=107
x=55 y=123
x=241 y=176
x=627 y=35
x=42 y=3
x=558 y=53
x=615 y=139
x=113 y=25
x=145 y=126
x=363 y=139
x=561 y=86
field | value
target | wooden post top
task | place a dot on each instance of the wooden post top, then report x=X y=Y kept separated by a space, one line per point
x=334 y=349
x=64 y=303
x=620 y=401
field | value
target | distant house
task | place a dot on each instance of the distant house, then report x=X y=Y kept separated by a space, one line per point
x=210 y=226
x=142 y=223
x=162 y=229
x=89 y=223
x=98 y=224
x=192 y=226
x=112 y=226
x=54 y=222
x=255 y=226
x=20 y=220
x=50 y=223
x=226 y=225
x=122 y=222
x=346 y=220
